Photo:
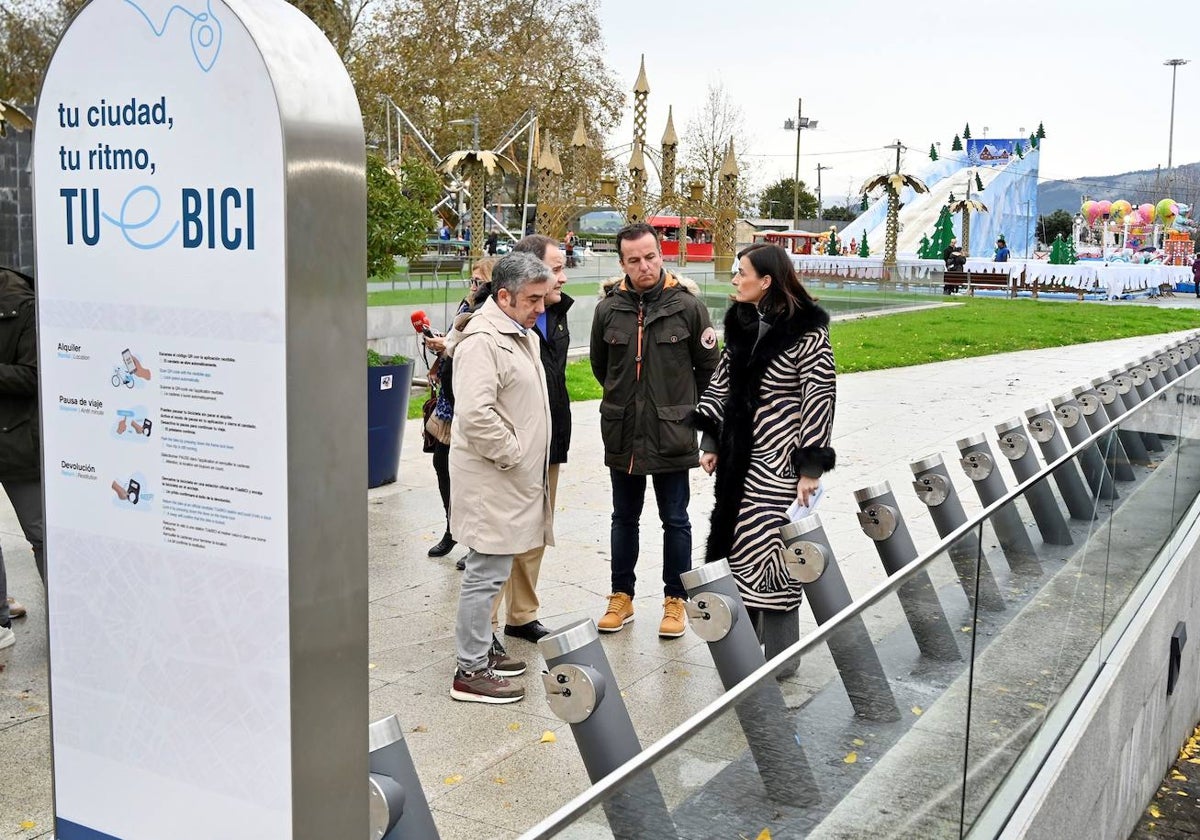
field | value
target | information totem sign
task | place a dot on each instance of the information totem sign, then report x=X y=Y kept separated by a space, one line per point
x=200 y=213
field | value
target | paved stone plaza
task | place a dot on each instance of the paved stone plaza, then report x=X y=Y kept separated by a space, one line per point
x=486 y=770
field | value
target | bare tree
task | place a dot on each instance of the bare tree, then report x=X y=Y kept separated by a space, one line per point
x=707 y=140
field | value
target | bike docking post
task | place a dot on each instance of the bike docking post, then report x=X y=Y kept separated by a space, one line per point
x=1090 y=405
x=1113 y=407
x=719 y=617
x=1127 y=391
x=1044 y=430
x=936 y=491
x=811 y=561
x=881 y=520
x=1155 y=372
x=1141 y=380
x=1172 y=361
x=399 y=810
x=1069 y=414
x=1014 y=445
x=980 y=466
x=582 y=690
x=1188 y=352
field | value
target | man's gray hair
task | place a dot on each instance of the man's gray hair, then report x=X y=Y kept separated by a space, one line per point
x=517 y=270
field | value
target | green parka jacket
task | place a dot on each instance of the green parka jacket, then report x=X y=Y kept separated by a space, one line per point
x=653 y=353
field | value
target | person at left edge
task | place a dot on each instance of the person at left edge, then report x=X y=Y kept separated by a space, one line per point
x=20 y=450
x=499 y=455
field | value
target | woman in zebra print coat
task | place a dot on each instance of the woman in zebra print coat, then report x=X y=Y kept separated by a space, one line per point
x=767 y=419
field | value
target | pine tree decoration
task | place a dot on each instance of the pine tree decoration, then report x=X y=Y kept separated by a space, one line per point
x=1071 y=256
x=967 y=132
x=834 y=248
x=1041 y=132
x=1020 y=149
x=943 y=232
x=956 y=146
x=864 y=250
x=1033 y=141
x=978 y=182
x=1058 y=251
x=932 y=152
x=923 y=251
x=862 y=207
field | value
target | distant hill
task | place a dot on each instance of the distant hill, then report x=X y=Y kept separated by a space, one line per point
x=1136 y=187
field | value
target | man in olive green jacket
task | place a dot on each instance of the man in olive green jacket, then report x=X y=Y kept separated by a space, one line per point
x=653 y=349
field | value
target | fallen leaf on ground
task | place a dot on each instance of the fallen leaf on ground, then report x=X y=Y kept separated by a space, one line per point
x=1154 y=812
x=500 y=780
x=1037 y=706
x=420 y=728
x=455 y=779
x=513 y=727
x=765 y=834
x=548 y=737
x=28 y=824
x=851 y=757
x=917 y=710
x=858 y=742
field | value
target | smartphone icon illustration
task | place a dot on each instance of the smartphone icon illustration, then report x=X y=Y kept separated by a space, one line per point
x=146 y=427
x=134 y=490
x=127 y=357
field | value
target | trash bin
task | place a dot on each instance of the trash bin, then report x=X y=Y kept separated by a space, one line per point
x=388 y=387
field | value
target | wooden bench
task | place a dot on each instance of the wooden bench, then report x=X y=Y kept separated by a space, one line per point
x=432 y=265
x=953 y=280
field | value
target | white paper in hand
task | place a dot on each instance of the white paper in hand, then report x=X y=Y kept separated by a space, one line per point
x=798 y=511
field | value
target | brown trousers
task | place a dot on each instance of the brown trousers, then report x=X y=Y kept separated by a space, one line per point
x=520 y=590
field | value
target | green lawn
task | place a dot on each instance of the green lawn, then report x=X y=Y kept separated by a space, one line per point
x=978 y=327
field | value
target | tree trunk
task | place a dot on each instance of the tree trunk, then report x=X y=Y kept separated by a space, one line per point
x=893 y=229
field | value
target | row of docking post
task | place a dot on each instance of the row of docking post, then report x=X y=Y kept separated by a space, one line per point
x=583 y=691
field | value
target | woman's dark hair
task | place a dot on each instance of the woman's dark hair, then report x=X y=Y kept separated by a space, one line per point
x=786 y=293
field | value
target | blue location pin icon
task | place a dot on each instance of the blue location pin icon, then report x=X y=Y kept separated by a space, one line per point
x=206 y=39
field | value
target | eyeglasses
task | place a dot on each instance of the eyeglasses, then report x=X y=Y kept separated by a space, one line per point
x=475 y=281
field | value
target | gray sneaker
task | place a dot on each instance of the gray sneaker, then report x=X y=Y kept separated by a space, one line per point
x=484 y=687
x=501 y=663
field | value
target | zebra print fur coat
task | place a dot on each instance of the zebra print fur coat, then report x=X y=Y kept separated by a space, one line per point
x=770 y=407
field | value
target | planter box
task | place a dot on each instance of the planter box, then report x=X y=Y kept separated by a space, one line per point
x=388 y=389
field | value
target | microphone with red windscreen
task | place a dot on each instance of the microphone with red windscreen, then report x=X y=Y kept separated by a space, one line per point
x=420 y=322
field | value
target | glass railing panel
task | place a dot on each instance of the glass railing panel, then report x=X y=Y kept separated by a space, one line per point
x=865 y=727
x=1044 y=649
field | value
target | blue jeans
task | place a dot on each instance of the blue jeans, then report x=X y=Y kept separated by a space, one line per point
x=672 y=492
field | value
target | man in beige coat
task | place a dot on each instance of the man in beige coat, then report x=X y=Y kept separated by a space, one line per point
x=499 y=454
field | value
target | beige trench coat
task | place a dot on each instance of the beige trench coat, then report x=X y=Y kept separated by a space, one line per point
x=500 y=438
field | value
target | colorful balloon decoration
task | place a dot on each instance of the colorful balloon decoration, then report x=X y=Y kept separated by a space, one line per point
x=1105 y=207
x=1085 y=210
x=1119 y=210
x=1167 y=210
x=1147 y=211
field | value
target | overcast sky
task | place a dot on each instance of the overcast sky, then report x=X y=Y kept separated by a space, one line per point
x=872 y=71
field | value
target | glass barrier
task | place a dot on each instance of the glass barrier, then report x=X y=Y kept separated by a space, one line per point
x=927 y=708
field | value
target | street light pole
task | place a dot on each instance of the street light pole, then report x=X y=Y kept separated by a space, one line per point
x=796 y=179
x=1174 y=64
x=801 y=122
x=820 y=206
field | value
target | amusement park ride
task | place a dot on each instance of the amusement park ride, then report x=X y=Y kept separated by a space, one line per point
x=1118 y=231
x=594 y=179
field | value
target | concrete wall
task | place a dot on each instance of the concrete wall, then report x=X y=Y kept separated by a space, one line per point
x=1115 y=752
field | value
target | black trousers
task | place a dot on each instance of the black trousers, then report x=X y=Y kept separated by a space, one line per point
x=441 y=466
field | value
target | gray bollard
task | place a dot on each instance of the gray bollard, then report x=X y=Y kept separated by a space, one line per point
x=1127 y=392
x=1113 y=407
x=1143 y=379
x=582 y=690
x=936 y=491
x=1189 y=355
x=399 y=810
x=719 y=616
x=811 y=561
x=1044 y=429
x=1174 y=360
x=1163 y=360
x=980 y=466
x=881 y=520
x=1096 y=418
x=1015 y=446
x=1069 y=414
x=1154 y=371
